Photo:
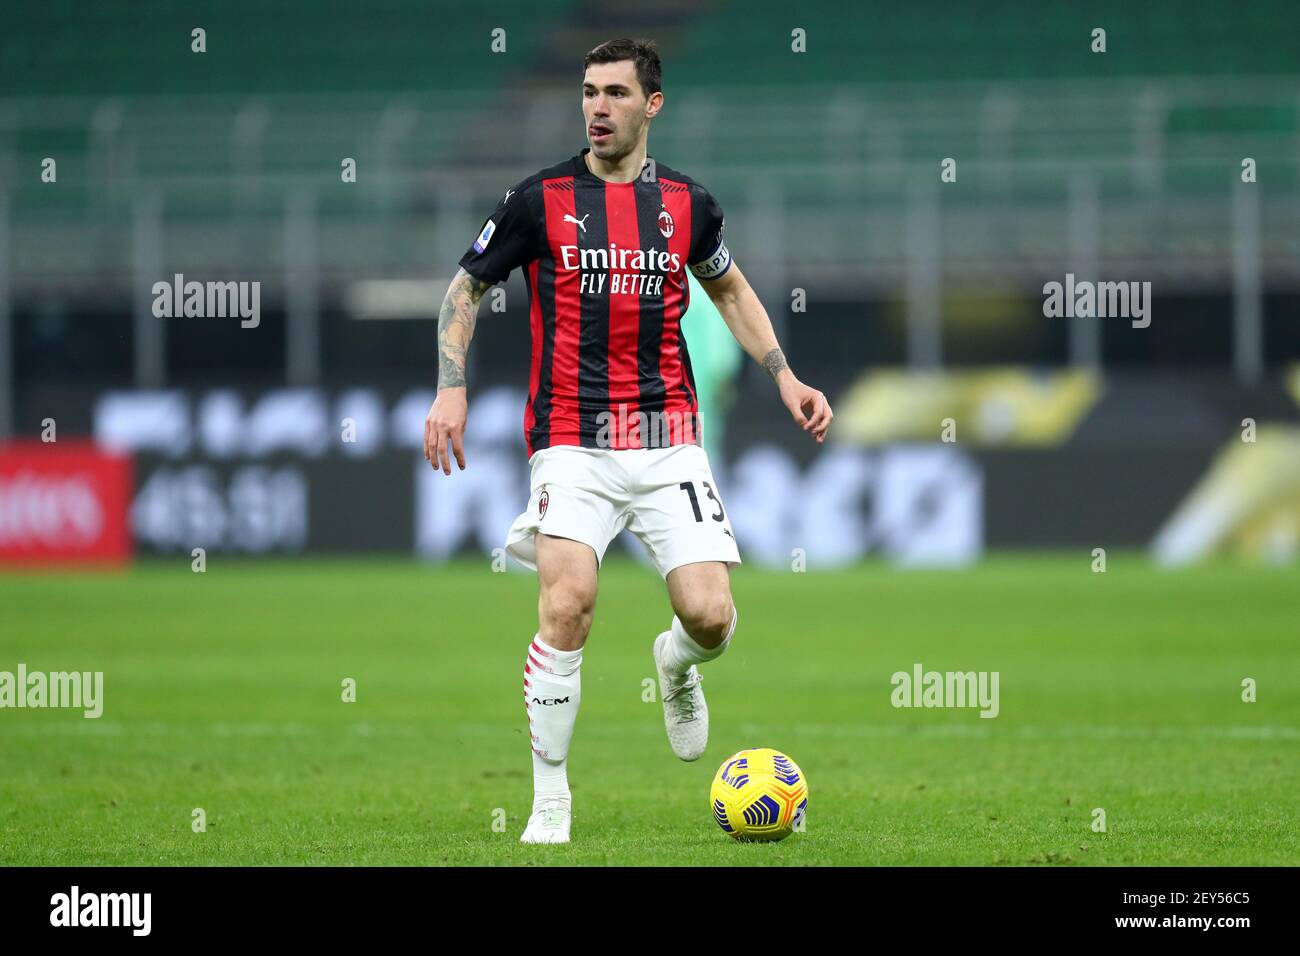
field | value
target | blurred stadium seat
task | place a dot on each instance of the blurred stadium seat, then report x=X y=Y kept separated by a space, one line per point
x=1124 y=165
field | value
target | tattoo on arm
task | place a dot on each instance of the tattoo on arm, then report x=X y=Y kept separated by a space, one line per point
x=456 y=327
x=774 y=361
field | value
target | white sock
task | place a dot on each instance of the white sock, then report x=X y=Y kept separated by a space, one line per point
x=552 y=692
x=550 y=780
x=682 y=651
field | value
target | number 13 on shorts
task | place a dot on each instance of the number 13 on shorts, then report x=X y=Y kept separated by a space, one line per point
x=689 y=487
x=678 y=514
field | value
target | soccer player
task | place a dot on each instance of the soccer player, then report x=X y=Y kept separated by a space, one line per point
x=612 y=423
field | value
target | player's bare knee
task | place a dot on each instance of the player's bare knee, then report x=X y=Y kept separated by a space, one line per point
x=708 y=620
x=565 y=613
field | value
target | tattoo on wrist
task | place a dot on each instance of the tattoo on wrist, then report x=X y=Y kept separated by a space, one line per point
x=774 y=361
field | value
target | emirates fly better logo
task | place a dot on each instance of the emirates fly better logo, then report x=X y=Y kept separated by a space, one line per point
x=627 y=271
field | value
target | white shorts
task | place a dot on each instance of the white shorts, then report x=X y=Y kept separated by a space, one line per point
x=665 y=496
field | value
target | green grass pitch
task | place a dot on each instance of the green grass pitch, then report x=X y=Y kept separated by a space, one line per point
x=1119 y=691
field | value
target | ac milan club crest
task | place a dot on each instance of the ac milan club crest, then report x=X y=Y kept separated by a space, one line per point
x=542 y=503
x=666 y=223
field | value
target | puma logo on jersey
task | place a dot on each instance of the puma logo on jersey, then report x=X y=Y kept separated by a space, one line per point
x=580 y=223
x=509 y=193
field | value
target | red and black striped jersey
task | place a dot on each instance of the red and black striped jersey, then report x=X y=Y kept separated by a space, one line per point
x=605 y=264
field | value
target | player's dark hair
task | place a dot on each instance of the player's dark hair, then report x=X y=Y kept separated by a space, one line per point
x=649 y=71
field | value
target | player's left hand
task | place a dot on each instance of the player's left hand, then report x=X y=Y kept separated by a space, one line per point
x=808 y=406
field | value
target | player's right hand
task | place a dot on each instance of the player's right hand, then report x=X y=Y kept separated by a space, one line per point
x=444 y=429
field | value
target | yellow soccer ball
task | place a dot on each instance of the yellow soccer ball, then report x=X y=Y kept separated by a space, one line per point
x=759 y=794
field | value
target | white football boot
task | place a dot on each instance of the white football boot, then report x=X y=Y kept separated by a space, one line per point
x=686 y=715
x=549 y=822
